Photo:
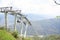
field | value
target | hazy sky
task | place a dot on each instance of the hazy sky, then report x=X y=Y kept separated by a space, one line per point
x=39 y=7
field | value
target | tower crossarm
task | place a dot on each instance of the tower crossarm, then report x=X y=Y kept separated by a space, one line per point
x=9 y=9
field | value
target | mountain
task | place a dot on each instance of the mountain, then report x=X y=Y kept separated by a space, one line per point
x=44 y=27
x=47 y=26
x=40 y=27
x=36 y=17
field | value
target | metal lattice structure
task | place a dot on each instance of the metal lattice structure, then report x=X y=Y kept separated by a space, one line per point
x=7 y=10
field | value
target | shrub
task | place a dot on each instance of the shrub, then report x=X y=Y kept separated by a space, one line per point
x=1 y=28
x=15 y=34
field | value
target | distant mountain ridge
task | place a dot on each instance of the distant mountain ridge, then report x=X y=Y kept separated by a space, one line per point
x=47 y=26
x=40 y=27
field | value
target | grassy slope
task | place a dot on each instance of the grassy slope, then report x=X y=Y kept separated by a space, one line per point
x=5 y=35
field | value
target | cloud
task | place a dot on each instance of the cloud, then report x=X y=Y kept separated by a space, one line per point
x=45 y=7
x=5 y=3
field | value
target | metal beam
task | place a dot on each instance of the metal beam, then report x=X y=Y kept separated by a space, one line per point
x=6 y=20
x=15 y=22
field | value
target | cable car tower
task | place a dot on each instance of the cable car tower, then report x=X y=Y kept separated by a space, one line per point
x=7 y=10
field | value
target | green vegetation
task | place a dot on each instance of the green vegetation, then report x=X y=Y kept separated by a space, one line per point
x=22 y=38
x=57 y=17
x=1 y=28
x=52 y=37
x=15 y=34
x=26 y=38
x=5 y=35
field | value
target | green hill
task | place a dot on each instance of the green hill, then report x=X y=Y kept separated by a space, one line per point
x=5 y=35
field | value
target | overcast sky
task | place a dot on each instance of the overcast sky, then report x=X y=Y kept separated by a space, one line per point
x=39 y=7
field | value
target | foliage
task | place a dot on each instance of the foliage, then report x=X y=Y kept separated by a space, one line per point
x=1 y=28
x=5 y=35
x=52 y=37
x=36 y=37
x=15 y=34
x=26 y=38
x=49 y=37
x=57 y=17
